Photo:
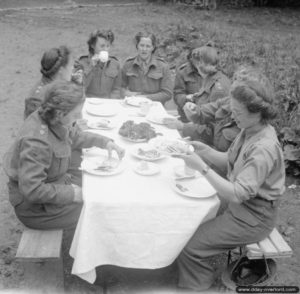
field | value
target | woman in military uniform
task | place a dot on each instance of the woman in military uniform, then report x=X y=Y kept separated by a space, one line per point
x=40 y=188
x=55 y=65
x=99 y=72
x=198 y=80
x=255 y=182
x=147 y=74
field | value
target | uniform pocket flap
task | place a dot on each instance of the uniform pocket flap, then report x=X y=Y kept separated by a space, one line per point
x=155 y=75
x=62 y=151
x=131 y=74
x=112 y=73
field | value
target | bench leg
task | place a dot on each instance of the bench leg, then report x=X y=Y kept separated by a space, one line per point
x=47 y=275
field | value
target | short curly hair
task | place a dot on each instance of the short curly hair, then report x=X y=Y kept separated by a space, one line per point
x=107 y=35
x=60 y=96
x=255 y=91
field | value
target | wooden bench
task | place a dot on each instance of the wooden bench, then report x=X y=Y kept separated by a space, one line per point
x=40 y=253
x=274 y=246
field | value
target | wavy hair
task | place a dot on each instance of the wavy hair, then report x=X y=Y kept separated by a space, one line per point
x=60 y=96
x=140 y=35
x=53 y=60
x=255 y=91
x=107 y=35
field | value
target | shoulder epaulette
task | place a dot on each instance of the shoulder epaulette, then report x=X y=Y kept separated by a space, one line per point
x=130 y=58
x=182 y=66
x=83 y=57
x=114 y=57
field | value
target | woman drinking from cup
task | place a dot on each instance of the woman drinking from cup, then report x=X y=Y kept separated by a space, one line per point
x=146 y=74
x=254 y=184
x=99 y=72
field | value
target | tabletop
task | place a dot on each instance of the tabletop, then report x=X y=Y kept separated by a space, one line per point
x=132 y=220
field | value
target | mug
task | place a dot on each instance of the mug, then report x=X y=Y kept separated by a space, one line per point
x=103 y=56
x=145 y=107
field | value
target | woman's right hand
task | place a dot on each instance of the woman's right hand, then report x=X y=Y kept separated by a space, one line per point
x=200 y=148
x=77 y=194
x=131 y=93
x=190 y=110
x=173 y=123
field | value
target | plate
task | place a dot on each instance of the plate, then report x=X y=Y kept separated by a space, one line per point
x=146 y=168
x=133 y=140
x=158 y=118
x=146 y=152
x=102 y=109
x=171 y=147
x=136 y=100
x=91 y=165
x=101 y=124
x=195 y=188
x=94 y=101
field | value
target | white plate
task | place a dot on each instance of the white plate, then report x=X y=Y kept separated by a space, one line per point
x=146 y=148
x=101 y=124
x=94 y=101
x=171 y=147
x=146 y=168
x=158 y=118
x=133 y=140
x=136 y=100
x=195 y=188
x=90 y=165
x=102 y=109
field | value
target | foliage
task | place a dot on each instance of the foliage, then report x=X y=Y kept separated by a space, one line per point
x=279 y=62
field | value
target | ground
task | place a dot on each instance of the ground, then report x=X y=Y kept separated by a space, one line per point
x=26 y=33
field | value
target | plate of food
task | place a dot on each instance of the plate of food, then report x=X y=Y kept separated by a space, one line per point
x=137 y=132
x=101 y=124
x=94 y=100
x=171 y=147
x=194 y=188
x=158 y=118
x=104 y=109
x=136 y=100
x=146 y=152
x=146 y=168
x=102 y=166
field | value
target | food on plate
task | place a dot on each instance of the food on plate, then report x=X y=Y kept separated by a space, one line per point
x=137 y=131
x=172 y=146
x=151 y=154
x=143 y=166
x=104 y=123
x=107 y=165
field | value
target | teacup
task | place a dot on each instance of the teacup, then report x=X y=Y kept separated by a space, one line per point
x=145 y=107
x=103 y=56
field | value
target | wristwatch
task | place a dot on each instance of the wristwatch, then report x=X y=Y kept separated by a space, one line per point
x=205 y=170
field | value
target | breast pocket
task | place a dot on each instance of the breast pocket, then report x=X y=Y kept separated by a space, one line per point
x=60 y=163
x=134 y=82
x=154 y=81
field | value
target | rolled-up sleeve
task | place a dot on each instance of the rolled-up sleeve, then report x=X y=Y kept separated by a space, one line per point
x=258 y=163
x=35 y=161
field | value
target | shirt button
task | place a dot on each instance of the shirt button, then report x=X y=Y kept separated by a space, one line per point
x=43 y=126
x=42 y=132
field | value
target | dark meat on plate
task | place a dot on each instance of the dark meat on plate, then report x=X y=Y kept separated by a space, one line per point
x=135 y=131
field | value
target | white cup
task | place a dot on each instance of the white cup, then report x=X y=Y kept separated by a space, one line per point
x=103 y=56
x=145 y=107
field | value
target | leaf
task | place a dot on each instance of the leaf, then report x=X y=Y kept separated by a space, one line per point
x=288 y=134
x=291 y=153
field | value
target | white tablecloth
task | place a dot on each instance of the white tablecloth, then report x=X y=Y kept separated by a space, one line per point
x=131 y=220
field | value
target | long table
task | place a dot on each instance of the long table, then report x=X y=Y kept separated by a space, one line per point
x=130 y=220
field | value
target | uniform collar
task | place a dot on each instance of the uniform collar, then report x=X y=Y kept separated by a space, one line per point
x=190 y=68
x=153 y=61
x=254 y=131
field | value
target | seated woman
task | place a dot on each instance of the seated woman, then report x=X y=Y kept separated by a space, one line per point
x=198 y=80
x=147 y=74
x=99 y=71
x=40 y=188
x=56 y=64
x=255 y=182
x=216 y=116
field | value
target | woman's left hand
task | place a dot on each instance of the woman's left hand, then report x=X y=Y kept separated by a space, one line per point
x=112 y=146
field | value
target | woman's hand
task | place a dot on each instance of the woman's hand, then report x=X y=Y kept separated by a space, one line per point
x=173 y=123
x=112 y=146
x=190 y=97
x=190 y=110
x=129 y=93
x=192 y=160
x=200 y=148
x=77 y=193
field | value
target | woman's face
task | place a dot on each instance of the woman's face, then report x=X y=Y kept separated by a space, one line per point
x=65 y=72
x=101 y=45
x=72 y=116
x=145 y=48
x=243 y=118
